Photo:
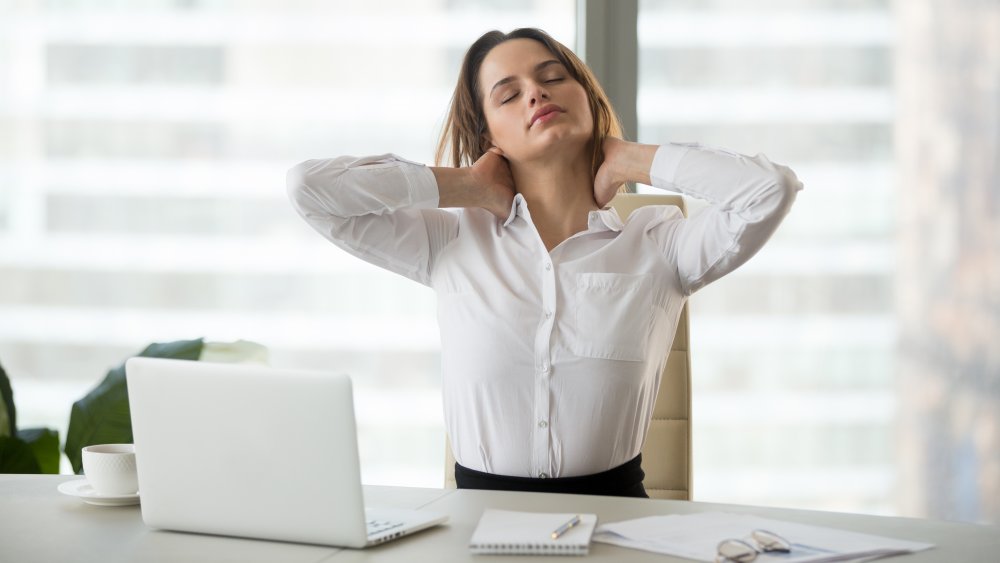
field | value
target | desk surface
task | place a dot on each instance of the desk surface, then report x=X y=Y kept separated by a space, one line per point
x=37 y=523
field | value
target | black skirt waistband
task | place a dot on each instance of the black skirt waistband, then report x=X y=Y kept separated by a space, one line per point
x=622 y=481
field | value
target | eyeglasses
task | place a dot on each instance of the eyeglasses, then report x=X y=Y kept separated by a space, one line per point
x=742 y=551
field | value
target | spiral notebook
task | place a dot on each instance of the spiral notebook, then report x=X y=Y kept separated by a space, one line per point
x=512 y=532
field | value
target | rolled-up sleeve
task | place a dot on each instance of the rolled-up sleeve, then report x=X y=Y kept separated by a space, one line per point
x=382 y=209
x=748 y=198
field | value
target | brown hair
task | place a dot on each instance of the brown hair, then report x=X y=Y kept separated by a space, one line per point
x=465 y=128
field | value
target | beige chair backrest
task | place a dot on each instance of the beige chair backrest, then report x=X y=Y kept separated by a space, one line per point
x=666 y=455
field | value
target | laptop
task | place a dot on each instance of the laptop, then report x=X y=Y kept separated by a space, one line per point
x=256 y=452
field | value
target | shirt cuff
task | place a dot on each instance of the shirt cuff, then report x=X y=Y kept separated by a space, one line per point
x=665 y=162
x=424 y=192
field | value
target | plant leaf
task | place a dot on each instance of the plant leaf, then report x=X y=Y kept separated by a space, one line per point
x=16 y=456
x=103 y=415
x=8 y=414
x=44 y=443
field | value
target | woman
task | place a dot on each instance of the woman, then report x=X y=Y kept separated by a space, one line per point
x=555 y=314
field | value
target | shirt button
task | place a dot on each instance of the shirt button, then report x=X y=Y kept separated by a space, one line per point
x=548 y=314
x=548 y=265
x=544 y=368
x=543 y=475
x=542 y=424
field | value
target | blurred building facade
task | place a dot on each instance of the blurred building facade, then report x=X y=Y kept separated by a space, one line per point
x=793 y=354
x=948 y=284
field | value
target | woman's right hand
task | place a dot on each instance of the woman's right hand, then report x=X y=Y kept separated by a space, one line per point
x=491 y=174
x=488 y=183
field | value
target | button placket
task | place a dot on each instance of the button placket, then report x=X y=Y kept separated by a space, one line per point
x=543 y=372
x=542 y=358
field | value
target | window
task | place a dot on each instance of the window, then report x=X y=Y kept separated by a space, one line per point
x=829 y=370
x=792 y=354
x=144 y=194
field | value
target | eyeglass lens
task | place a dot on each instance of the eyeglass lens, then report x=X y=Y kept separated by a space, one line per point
x=769 y=541
x=737 y=551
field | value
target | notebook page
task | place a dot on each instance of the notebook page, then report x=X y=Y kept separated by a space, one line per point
x=506 y=531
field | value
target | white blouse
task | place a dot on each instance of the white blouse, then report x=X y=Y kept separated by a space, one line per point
x=551 y=360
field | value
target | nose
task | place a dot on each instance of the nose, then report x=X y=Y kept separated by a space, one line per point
x=538 y=94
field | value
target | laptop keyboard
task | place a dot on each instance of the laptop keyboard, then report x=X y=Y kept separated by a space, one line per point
x=376 y=527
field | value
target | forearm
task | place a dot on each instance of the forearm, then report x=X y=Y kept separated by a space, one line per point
x=491 y=188
x=351 y=187
x=737 y=182
x=456 y=188
x=631 y=162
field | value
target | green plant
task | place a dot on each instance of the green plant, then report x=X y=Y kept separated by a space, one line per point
x=103 y=415
x=29 y=450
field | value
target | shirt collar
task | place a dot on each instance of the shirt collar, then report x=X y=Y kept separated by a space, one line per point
x=606 y=219
x=517 y=206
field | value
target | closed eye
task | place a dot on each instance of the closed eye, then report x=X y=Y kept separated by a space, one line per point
x=549 y=81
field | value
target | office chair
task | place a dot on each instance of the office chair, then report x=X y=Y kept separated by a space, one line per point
x=666 y=455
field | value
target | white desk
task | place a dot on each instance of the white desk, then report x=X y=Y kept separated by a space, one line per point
x=37 y=523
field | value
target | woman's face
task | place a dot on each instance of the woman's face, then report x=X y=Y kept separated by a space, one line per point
x=533 y=106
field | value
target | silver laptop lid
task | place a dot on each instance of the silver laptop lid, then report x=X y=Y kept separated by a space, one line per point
x=246 y=451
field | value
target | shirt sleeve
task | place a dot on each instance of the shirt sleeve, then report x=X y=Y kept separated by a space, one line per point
x=748 y=198
x=382 y=209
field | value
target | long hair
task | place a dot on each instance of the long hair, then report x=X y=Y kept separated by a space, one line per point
x=464 y=131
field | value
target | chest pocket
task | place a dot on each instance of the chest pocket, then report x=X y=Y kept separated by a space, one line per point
x=614 y=315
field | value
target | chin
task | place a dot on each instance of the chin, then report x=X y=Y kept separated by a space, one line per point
x=553 y=142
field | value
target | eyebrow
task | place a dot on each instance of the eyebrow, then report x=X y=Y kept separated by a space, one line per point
x=538 y=67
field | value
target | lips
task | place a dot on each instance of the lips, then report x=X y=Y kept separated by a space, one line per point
x=543 y=111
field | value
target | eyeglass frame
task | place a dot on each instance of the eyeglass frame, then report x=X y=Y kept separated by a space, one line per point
x=764 y=541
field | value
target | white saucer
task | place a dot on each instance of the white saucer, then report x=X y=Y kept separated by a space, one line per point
x=82 y=489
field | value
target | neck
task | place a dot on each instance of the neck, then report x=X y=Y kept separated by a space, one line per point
x=559 y=192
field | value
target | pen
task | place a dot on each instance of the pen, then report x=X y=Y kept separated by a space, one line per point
x=565 y=527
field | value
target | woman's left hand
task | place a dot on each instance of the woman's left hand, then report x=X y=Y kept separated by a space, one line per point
x=608 y=179
x=623 y=162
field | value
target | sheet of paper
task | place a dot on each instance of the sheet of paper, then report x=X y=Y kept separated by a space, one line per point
x=697 y=536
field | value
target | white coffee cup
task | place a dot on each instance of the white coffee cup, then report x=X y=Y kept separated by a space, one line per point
x=110 y=469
